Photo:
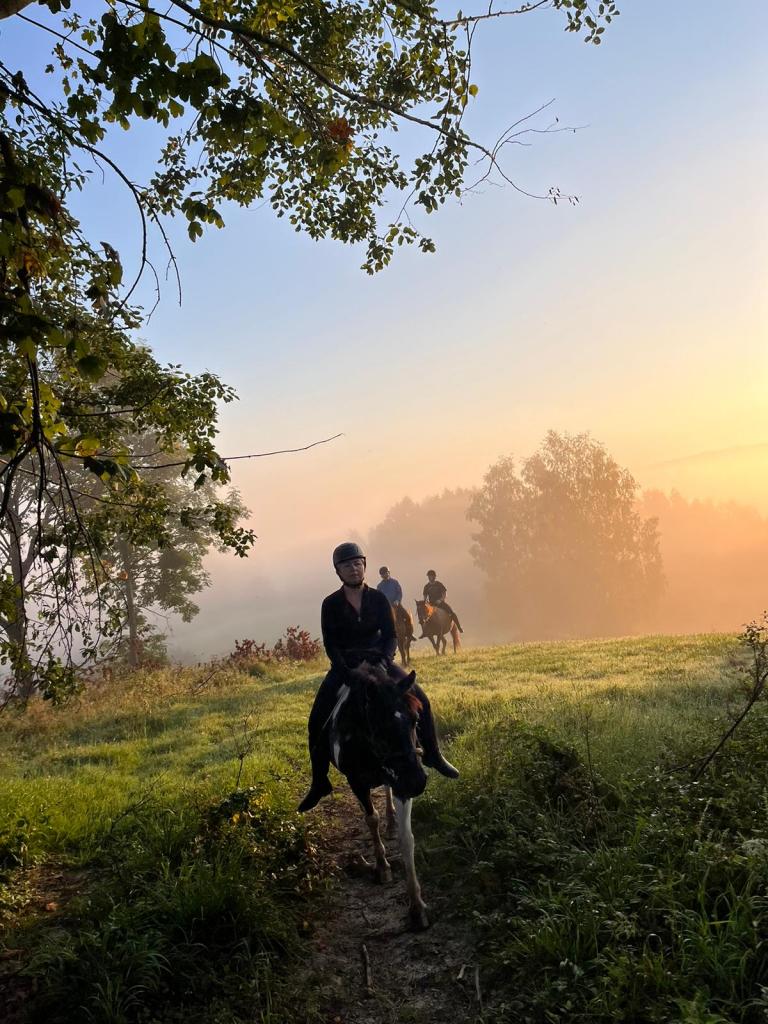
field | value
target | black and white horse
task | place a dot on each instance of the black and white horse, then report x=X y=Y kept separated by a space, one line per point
x=372 y=734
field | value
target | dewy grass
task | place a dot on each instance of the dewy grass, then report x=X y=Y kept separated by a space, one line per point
x=604 y=885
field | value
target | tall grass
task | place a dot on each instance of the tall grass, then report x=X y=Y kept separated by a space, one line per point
x=189 y=895
x=603 y=885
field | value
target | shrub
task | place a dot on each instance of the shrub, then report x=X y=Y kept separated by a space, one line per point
x=195 y=911
x=296 y=645
x=646 y=905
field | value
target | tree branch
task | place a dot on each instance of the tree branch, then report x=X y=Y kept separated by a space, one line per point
x=257 y=455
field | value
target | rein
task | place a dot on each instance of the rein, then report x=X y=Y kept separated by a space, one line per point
x=382 y=756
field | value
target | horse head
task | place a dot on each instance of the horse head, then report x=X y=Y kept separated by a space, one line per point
x=423 y=610
x=389 y=711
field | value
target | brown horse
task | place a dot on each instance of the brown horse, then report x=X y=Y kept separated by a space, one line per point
x=436 y=623
x=404 y=632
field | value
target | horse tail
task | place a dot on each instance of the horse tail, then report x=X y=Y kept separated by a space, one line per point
x=455 y=636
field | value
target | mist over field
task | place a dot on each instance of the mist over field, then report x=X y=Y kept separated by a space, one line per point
x=712 y=550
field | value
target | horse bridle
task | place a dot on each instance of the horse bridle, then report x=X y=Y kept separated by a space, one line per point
x=376 y=745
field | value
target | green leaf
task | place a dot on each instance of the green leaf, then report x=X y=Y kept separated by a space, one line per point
x=57 y=338
x=27 y=348
x=87 y=446
x=91 y=367
x=16 y=197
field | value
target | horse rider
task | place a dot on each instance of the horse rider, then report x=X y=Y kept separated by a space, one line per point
x=391 y=589
x=357 y=626
x=435 y=594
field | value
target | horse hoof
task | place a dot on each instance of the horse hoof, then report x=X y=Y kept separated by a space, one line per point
x=398 y=865
x=383 y=875
x=358 y=867
x=417 y=917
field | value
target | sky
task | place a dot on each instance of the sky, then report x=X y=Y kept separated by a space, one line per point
x=638 y=315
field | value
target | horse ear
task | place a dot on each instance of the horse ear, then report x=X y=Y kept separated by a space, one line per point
x=405 y=684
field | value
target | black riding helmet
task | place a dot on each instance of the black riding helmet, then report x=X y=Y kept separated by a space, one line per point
x=346 y=552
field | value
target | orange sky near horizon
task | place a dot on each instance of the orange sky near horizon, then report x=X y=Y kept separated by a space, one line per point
x=639 y=315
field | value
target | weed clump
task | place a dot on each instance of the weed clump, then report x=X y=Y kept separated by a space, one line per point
x=646 y=902
x=298 y=645
x=193 y=911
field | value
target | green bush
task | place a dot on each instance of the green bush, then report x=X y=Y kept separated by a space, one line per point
x=644 y=903
x=191 y=912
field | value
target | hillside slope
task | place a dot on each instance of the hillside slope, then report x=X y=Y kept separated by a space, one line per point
x=154 y=869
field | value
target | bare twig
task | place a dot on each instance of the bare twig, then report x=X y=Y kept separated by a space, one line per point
x=473 y=19
x=366 y=970
x=256 y=455
x=755 y=637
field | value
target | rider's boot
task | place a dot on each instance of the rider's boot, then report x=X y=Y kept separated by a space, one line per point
x=447 y=608
x=318 y=748
x=321 y=784
x=427 y=734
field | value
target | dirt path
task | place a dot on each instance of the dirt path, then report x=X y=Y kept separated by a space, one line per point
x=417 y=978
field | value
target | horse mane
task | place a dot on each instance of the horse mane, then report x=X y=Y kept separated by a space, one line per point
x=413 y=703
x=377 y=674
x=369 y=673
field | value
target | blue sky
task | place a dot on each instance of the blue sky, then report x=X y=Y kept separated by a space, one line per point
x=639 y=314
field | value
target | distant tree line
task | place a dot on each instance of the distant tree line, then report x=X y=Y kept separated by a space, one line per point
x=564 y=544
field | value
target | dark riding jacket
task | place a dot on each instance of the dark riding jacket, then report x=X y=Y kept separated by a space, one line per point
x=434 y=592
x=348 y=637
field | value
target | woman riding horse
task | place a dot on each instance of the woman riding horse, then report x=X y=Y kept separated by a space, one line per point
x=391 y=589
x=357 y=627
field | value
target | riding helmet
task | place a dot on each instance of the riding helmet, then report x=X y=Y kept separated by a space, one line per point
x=346 y=552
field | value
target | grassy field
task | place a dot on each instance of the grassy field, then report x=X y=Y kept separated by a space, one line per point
x=155 y=822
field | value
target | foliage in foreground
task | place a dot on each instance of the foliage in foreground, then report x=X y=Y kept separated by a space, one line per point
x=634 y=899
x=191 y=909
x=178 y=902
x=603 y=885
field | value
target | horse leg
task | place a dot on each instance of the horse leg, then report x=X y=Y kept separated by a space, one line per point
x=443 y=644
x=382 y=871
x=435 y=642
x=417 y=909
x=455 y=635
x=390 y=806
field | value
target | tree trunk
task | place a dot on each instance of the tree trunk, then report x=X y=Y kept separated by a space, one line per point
x=16 y=628
x=23 y=676
x=131 y=611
